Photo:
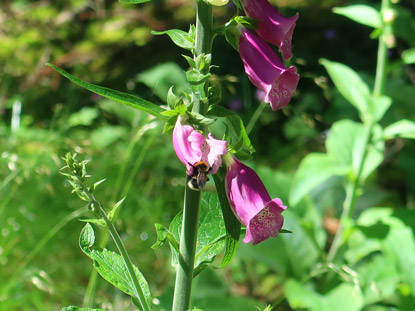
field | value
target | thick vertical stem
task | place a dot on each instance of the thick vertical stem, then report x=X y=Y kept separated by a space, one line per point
x=204 y=38
x=188 y=236
x=184 y=272
x=204 y=32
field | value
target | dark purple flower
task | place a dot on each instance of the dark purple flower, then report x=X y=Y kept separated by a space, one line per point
x=273 y=27
x=266 y=71
x=251 y=203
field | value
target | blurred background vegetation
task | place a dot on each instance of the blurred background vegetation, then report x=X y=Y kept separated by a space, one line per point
x=42 y=116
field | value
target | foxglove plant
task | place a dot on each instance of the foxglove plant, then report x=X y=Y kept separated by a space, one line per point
x=192 y=118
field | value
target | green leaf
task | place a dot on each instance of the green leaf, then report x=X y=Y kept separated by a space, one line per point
x=351 y=86
x=162 y=77
x=314 y=169
x=303 y=296
x=232 y=224
x=164 y=234
x=99 y=222
x=379 y=106
x=120 y=97
x=169 y=125
x=237 y=133
x=114 y=210
x=73 y=308
x=345 y=145
x=397 y=243
x=219 y=111
x=363 y=14
x=172 y=99
x=179 y=37
x=378 y=278
x=408 y=56
x=403 y=128
x=87 y=238
x=195 y=77
x=133 y=1
x=111 y=266
x=214 y=93
x=210 y=236
x=85 y=117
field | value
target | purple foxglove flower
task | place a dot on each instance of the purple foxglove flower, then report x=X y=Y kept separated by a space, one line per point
x=273 y=27
x=192 y=147
x=266 y=71
x=252 y=204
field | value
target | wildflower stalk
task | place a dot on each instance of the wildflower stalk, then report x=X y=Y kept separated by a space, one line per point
x=188 y=236
x=77 y=179
x=352 y=192
x=96 y=205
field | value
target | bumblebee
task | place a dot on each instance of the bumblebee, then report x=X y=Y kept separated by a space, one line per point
x=197 y=180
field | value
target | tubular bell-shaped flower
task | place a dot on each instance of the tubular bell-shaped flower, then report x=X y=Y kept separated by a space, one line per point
x=252 y=204
x=192 y=147
x=273 y=27
x=266 y=71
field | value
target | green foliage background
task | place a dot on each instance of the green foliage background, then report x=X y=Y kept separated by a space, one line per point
x=109 y=43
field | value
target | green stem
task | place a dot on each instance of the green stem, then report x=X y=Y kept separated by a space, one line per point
x=123 y=252
x=353 y=187
x=188 y=236
x=204 y=38
x=382 y=53
x=255 y=117
x=187 y=248
x=351 y=198
x=204 y=30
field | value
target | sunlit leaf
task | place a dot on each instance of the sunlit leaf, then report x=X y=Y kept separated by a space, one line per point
x=179 y=37
x=162 y=77
x=379 y=105
x=345 y=144
x=314 y=169
x=408 y=56
x=362 y=14
x=85 y=116
x=351 y=86
x=303 y=296
x=120 y=97
x=402 y=128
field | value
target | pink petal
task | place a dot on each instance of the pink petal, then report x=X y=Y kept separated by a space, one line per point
x=252 y=204
x=273 y=27
x=268 y=222
x=187 y=144
x=217 y=148
x=266 y=71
